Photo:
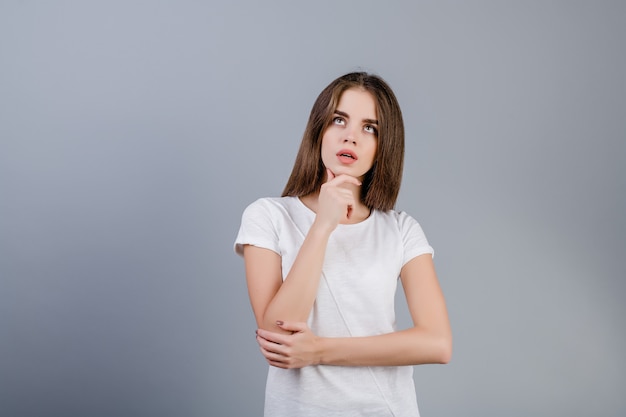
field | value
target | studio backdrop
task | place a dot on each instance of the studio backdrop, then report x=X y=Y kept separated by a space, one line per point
x=134 y=133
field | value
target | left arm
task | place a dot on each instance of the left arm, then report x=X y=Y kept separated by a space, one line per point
x=428 y=341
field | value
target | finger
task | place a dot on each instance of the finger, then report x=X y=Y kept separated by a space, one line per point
x=292 y=326
x=278 y=364
x=272 y=356
x=272 y=337
x=278 y=361
x=348 y=200
x=271 y=347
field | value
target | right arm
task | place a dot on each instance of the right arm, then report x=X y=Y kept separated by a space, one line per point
x=272 y=298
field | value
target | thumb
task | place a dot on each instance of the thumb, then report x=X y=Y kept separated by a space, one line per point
x=292 y=326
x=329 y=175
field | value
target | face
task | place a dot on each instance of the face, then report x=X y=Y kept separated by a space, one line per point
x=350 y=141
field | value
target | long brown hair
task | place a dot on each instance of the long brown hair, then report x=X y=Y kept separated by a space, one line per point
x=381 y=183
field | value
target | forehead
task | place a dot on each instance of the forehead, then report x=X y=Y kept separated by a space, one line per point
x=358 y=102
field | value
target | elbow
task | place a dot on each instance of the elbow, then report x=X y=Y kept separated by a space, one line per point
x=265 y=322
x=439 y=349
x=269 y=325
x=268 y=321
x=444 y=354
x=433 y=348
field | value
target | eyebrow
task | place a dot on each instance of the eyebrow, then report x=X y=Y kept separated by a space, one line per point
x=344 y=114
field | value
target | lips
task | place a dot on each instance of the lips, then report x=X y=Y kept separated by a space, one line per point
x=347 y=153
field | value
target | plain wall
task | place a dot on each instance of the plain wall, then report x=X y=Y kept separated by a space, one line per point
x=134 y=133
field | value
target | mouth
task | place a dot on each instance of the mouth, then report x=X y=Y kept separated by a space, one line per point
x=346 y=153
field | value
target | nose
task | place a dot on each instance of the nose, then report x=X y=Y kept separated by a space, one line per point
x=350 y=137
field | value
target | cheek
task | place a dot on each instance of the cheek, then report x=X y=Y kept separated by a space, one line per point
x=325 y=152
x=373 y=152
x=324 y=147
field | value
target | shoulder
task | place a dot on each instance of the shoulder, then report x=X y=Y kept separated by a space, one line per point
x=400 y=219
x=262 y=222
x=409 y=231
x=268 y=205
x=276 y=211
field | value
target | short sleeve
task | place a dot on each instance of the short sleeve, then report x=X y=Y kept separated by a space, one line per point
x=257 y=228
x=414 y=240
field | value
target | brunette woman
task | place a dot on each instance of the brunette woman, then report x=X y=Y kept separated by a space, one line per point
x=323 y=261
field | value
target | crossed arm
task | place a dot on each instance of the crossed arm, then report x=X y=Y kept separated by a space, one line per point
x=281 y=310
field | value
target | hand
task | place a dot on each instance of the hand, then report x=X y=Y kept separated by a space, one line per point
x=289 y=351
x=335 y=202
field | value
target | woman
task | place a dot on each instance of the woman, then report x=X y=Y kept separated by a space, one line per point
x=322 y=264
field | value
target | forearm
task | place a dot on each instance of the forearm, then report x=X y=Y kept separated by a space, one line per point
x=412 y=346
x=295 y=297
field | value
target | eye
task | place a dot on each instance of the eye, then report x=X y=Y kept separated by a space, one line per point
x=339 y=121
x=371 y=129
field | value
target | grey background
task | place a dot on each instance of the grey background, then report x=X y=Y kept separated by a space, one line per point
x=134 y=133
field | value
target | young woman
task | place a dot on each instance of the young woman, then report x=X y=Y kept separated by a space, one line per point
x=322 y=264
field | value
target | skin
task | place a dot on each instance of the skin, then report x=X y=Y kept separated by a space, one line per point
x=281 y=308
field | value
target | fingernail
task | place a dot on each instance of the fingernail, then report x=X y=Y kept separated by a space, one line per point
x=279 y=322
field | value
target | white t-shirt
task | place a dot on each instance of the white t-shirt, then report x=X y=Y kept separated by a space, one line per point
x=355 y=298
